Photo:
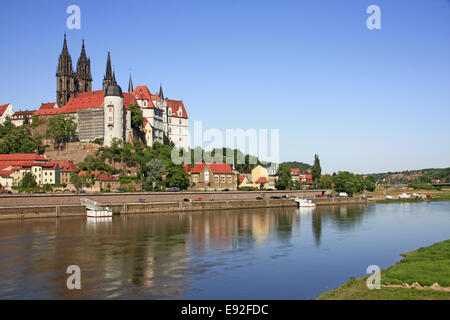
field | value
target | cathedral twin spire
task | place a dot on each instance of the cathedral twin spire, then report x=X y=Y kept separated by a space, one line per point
x=69 y=83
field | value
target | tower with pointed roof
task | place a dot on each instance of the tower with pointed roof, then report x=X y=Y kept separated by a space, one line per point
x=130 y=85
x=83 y=77
x=108 y=79
x=64 y=77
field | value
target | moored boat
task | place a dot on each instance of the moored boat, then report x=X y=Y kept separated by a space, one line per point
x=95 y=209
x=304 y=203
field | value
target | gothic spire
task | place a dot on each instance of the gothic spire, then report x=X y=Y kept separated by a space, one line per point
x=161 y=94
x=130 y=85
x=108 y=74
x=65 y=50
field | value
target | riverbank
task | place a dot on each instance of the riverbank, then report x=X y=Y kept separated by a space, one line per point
x=423 y=274
x=436 y=195
x=127 y=208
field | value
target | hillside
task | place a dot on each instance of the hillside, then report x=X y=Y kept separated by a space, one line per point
x=304 y=167
x=404 y=177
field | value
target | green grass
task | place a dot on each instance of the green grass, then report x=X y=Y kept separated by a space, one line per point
x=441 y=196
x=425 y=266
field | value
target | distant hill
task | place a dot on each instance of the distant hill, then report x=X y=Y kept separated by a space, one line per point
x=304 y=167
x=404 y=177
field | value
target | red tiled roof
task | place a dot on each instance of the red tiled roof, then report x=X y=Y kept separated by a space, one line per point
x=22 y=157
x=6 y=173
x=145 y=122
x=186 y=167
x=129 y=99
x=95 y=173
x=107 y=177
x=3 y=109
x=215 y=167
x=241 y=178
x=66 y=166
x=47 y=109
x=84 y=100
x=295 y=171
x=142 y=93
x=262 y=180
x=174 y=105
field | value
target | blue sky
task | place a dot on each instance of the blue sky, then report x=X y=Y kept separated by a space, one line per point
x=364 y=100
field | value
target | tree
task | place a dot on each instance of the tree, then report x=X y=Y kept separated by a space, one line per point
x=61 y=129
x=316 y=170
x=369 y=183
x=76 y=180
x=297 y=185
x=284 y=180
x=153 y=171
x=136 y=117
x=325 y=182
x=167 y=141
x=345 y=182
x=177 y=177
x=20 y=140
x=28 y=181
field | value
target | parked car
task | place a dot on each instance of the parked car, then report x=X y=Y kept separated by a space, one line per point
x=143 y=201
x=187 y=200
x=259 y=198
x=120 y=191
x=81 y=191
x=226 y=190
x=174 y=189
x=199 y=199
x=286 y=196
x=275 y=197
x=343 y=194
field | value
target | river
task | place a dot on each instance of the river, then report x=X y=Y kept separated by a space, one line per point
x=244 y=254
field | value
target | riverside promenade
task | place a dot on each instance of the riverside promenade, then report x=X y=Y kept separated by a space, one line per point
x=46 y=206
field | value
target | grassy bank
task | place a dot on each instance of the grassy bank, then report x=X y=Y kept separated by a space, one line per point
x=436 y=195
x=424 y=266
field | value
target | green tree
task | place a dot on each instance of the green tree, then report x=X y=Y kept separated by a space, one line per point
x=136 y=117
x=28 y=181
x=177 y=177
x=316 y=170
x=76 y=180
x=20 y=140
x=61 y=129
x=284 y=180
x=297 y=185
x=345 y=181
x=153 y=172
x=369 y=183
x=325 y=182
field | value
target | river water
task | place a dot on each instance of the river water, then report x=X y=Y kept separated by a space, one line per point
x=242 y=254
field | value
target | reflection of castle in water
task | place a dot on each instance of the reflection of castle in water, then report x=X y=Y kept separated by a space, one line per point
x=154 y=256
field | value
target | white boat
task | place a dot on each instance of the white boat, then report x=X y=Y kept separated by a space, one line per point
x=304 y=203
x=404 y=196
x=95 y=210
x=389 y=197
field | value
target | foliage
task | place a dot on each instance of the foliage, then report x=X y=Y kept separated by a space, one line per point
x=80 y=181
x=284 y=177
x=35 y=122
x=92 y=164
x=20 y=140
x=369 y=183
x=136 y=117
x=177 y=177
x=304 y=167
x=297 y=185
x=316 y=170
x=419 y=185
x=347 y=182
x=167 y=141
x=61 y=129
x=47 y=187
x=326 y=182
x=28 y=181
x=128 y=179
x=152 y=172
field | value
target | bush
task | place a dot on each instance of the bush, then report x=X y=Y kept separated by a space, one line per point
x=247 y=189
x=131 y=188
x=128 y=179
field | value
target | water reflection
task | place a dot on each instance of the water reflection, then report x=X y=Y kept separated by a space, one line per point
x=157 y=256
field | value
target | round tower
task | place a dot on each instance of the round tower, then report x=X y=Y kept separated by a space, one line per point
x=113 y=105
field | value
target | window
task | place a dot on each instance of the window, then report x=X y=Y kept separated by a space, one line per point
x=216 y=179
x=229 y=179
x=222 y=179
x=206 y=176
x=195 y=178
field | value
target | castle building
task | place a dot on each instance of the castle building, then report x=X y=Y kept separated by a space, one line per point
x=105 y=114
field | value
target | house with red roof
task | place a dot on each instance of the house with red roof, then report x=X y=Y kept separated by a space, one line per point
x=6 y=110
x=212 y=177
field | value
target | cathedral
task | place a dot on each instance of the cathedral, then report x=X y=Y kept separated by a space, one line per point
x=105 y=114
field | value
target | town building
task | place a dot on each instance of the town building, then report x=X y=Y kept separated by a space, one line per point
x=6 y=111
x=212 y=177
x=22 y=117
x=258 y=178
